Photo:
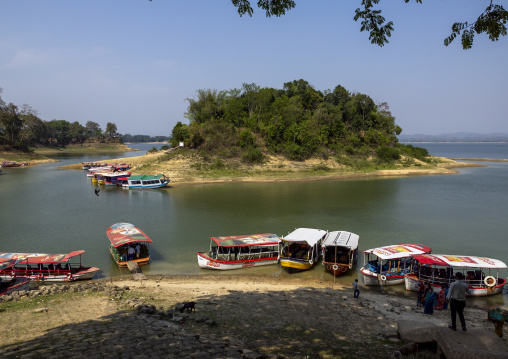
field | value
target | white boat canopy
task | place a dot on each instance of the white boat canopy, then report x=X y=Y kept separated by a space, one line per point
x=459 y=261
x=342 y=239
x=307 y=235
x=398 y=251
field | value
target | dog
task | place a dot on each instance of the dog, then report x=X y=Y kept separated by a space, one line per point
x=190 y=306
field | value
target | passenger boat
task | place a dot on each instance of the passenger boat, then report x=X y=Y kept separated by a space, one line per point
x=11 y=164
x=480 y=273
x=388 y=265
x=103 y=178
x=46 y=267
x=144 y=181
x=301 y=248
x=124 y=236
x=340 y=251
x=236 y=252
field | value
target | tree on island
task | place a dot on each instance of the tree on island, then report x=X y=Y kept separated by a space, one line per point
x=492 y=21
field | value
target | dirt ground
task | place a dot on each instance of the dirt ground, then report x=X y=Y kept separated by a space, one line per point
x=291 y=318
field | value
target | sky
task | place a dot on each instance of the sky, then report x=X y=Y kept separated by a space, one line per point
x=135 y=62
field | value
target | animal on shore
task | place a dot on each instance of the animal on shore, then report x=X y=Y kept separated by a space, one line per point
x=190 y=306
x=97 y=192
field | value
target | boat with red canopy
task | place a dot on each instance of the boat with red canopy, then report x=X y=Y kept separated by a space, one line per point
x=13 y=284
x=46 y=267
x=480 y=273
x=236 y=252
x=128 y=244
x=388 y=265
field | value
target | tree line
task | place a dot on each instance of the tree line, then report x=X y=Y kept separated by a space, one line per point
x=297 y=121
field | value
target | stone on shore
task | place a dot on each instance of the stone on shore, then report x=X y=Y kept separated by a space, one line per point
x=416 y=331
x=473 y=344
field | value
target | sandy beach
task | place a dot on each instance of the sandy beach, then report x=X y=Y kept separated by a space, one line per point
x=260 y=316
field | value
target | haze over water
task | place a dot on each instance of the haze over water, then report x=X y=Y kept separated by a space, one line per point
x=45 y=209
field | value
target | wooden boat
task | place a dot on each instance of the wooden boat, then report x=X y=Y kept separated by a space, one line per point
x=46 y=267
x=236 y=252
x=103 y=178
x=480 y=273
x=143 y=181
x=340 y=251
x=301 y=248
x=388 y=265
x=124 y=236
x=12 y=164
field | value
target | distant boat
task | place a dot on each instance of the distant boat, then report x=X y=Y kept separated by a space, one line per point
x=388 y=265
x=13 y=164
x=144 y=181
x=340 y=251
x=236 y=252
x=124 y=236
x=301 y=248
x=46 y=267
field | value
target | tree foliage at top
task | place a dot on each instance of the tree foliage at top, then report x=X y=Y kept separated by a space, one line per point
x=491 y=22
x=296 y=121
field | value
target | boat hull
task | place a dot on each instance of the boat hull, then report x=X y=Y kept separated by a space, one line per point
x=15 y=284
x=161 y=185
x=296 y=264
x=336 y=269
x=412 y=283
x=204 y=261
x=371 y=278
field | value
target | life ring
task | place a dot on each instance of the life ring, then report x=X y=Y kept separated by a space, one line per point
x=69 y=276
x=311 y=262
x=40 y=277
x=490 y=281
x=383 y=277
x=335 y=267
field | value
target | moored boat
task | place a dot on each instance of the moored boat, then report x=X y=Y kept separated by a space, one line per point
x=388 y=265
x=301 y=248
x=340 y=251
x=236 y=252
x=11 y=164
x=144 y=181
x=13 y=285
x=128 y=244
x=480 y=273
x=47 y=267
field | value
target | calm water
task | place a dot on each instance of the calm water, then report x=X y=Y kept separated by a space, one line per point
x=45 y=209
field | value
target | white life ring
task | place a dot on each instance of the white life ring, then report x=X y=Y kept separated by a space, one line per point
x=383 y=277
x=311 y=262
x=490 y=281
x=335 y=267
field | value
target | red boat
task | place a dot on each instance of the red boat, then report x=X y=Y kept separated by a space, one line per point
x=45 y=267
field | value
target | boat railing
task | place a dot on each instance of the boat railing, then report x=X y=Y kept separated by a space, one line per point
x=436 y=279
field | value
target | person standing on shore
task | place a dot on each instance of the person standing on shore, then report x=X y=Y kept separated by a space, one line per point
x=356 y=291
x=457 y=298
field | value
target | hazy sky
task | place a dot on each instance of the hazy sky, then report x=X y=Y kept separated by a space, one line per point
x=134 y=62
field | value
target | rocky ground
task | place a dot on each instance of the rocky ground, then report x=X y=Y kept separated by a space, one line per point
x=234 y=317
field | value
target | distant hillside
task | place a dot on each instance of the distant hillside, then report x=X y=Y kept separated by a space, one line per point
x=456 y=137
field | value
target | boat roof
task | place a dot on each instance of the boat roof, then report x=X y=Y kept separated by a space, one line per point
x=7 y=263
x=308 y=235
x=459 y=261
x=120 y=234
x=265 y=239
x=145 y=177
x=39 y=257
x=342 y=239
x=396 y=251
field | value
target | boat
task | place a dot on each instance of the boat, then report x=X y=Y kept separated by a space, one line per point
x=236 y=252
x=11 y=164
x=46 y=267
x=480 y=273
x=0 y=170
x=340 y=251
x=388 y=265
x=301 y=248
x=104 y=177
x=124 y=236
x=144 y=181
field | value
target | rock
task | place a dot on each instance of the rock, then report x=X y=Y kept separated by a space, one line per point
x=415 y=331
x=210 y=322
x=41 y=310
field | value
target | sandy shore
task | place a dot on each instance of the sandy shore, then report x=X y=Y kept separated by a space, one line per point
x=288 y=318
x=184 y=170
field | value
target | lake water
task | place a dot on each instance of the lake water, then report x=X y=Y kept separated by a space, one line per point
x=46 y=209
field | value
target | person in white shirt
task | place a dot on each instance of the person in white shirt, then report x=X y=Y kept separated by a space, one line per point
x=457 y=298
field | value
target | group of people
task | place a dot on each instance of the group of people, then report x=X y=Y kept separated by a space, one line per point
x=134 y=251
x=455 y=296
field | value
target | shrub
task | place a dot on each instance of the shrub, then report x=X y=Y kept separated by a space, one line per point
x=388 y=154
x=152 y=150
x=164 y=147
x=253 y=155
